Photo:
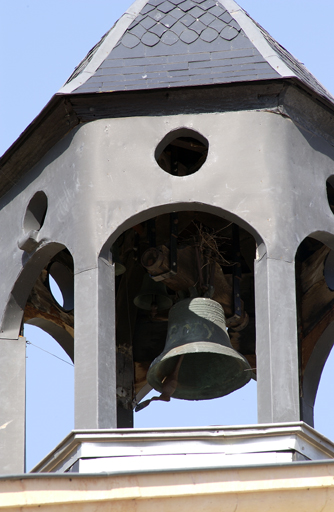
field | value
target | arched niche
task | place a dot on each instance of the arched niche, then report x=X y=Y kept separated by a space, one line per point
x=31 y=300
x=315 y=306
x=199 y=236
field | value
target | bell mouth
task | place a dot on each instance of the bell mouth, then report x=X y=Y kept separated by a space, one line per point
x=208 y=370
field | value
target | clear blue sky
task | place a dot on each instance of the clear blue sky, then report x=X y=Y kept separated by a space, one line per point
x=42 y=41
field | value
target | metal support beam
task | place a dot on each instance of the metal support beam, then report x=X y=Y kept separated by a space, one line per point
x=276 y=341
x=12 y=405
x=94 y=351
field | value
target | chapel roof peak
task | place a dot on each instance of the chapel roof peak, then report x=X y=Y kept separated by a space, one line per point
x=173 y=43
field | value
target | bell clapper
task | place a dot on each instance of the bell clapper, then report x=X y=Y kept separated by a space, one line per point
x=169 y=386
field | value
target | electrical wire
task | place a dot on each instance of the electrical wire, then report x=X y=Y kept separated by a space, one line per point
x=29 y=343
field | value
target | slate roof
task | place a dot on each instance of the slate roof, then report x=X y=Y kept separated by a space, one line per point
x=166 y=43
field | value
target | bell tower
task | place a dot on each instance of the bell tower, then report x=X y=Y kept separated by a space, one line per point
x=179 y=189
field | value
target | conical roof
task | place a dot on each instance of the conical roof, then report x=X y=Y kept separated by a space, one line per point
x=173 y=43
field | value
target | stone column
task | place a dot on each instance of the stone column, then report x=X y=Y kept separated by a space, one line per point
x=94 y=352
x=276 y=341
x=12 y=405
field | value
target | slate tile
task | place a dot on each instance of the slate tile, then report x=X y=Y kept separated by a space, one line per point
x=200 y=65
x=226 y=17
x=156 y=15
x=178 y=58
x=198 y=26
x=196 y=12
x=167 y=67
x=176 y=13
x=208 y=4
x=187 y=19
x=168 y=21
x=229 y=33
x=158 y=29
x=202 y=71
x=157 y=60
x=136 y=20
x=130 y=61
x=156 y=3
x=98 y=79
x=188 y=36
x=133 y=24
x=146 y=9
x=234 y=24
x=199 y=57
x=175 y=79
x=166 y=7
x=169 y=38
x=160 y=49
x=178 y=28
x=177 y=67
x=148 y=22
x=207 y=18
x=186 y=6
x=218 y=25
x=209 y=35
x=110 y=71
x=114 y=78
x=161 y=74
x=150 y=39
x=242 y=42
x=216 y=10
x=129 y=40
x=175 y=2
x=138 y=31
x=259 y=66
x=181 y=72
x=112 y=63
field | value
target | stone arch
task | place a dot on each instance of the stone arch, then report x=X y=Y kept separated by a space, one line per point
x=315 y=304
x=14 y=312
x=177 y=207
x=143 y=217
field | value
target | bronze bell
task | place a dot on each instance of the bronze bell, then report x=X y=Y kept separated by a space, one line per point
x=210 y=367
x=153 y=295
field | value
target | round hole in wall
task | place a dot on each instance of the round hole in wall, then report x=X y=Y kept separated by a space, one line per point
x=330 y=192
x=61 y=285
x=182 y=152
x=35 y=213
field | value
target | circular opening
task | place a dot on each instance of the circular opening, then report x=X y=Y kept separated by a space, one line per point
x=61 y=285
x=330 y=192
x=182 y=152
x=35 y=213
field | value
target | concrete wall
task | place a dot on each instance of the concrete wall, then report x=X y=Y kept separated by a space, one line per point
x=262 y=171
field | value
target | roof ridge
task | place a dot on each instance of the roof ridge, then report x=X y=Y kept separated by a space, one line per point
x=101 y=50
x=293 y=66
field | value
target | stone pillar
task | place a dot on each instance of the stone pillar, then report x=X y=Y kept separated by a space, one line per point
x=12 y=405
x=276 y=341
x=94 y=348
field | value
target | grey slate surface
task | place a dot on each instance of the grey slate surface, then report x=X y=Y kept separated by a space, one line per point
x=185 y=43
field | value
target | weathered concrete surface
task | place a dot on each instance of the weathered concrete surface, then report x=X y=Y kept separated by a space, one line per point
x=262 y=172
x=12 y=405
